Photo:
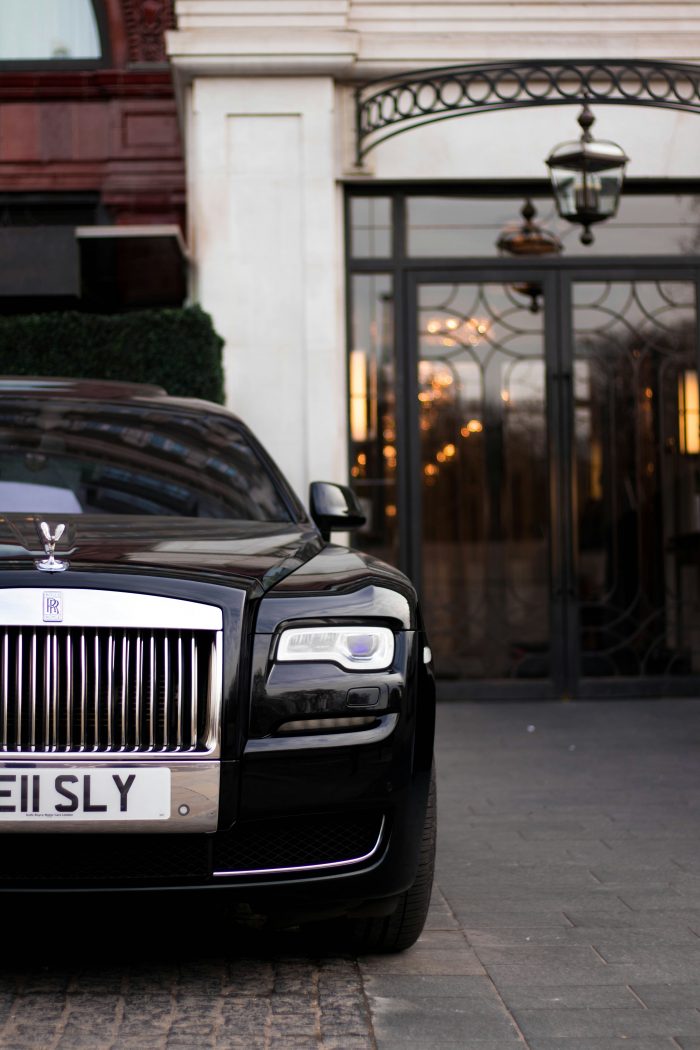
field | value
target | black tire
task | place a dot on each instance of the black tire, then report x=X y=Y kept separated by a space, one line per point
x=401 y=929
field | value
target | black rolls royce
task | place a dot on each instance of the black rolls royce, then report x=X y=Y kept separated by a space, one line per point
x=199 y=692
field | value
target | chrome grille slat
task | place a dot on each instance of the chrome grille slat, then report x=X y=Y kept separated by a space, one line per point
x=96 y=694
x=74 y=689
x=19 y=707
x=151 y=689
x=166 y=689
x=110 y=692
x=123 y=691
x=32 y=691
x=69 y=693
x=138 y=668
x=83 y=691
x=5 y=685
x=52 y=646
x=180 y=691
x=47 y=687
x=194 y=699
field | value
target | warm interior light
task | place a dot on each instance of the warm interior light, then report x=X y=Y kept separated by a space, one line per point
x=689 y=413
x=358 y=395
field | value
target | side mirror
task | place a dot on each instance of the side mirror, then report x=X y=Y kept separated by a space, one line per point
x=334 y=507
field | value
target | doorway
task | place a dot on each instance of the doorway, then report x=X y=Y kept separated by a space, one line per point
x=524 y=436
x=553 y=469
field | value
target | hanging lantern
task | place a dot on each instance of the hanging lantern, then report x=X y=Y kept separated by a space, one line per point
x=528 y=240
x=587 y=177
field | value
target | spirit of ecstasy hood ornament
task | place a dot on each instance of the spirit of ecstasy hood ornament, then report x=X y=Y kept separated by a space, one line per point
x=51 y=564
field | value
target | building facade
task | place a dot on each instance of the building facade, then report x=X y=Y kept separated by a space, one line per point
x=523 y=432
x=92 y=181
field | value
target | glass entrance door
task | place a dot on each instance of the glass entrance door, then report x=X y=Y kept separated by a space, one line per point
x=555 y=480
x=637 y=486
x=484 y=479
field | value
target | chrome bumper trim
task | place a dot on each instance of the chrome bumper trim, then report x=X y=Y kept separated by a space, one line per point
x=311 y=867
x=386 y=726
x=194 y=784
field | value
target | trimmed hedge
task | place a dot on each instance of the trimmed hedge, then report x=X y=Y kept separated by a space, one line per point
x=176 y=348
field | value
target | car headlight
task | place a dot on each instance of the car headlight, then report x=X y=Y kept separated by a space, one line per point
x=354 y=648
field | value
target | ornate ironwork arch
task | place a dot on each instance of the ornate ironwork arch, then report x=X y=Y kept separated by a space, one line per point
x=390 y=106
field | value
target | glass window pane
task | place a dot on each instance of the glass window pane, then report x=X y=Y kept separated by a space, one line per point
x=123 y=459
x=46 y=29
x=646 y=224
x=370 y=227
x=372 y=386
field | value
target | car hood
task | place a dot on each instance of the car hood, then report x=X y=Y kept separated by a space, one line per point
x=249 y=553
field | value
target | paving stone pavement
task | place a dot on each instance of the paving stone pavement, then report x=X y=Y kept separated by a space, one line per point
x=566 y=916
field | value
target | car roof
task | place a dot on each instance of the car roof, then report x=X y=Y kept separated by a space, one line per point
x=105 y=390
x=110 y=389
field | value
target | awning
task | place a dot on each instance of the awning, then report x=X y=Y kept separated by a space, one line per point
x=132 y=266
x=97 y=267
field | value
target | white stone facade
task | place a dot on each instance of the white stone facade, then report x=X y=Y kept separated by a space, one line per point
x=265 y=90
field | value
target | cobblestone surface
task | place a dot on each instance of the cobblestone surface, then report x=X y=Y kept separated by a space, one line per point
x=179 y=999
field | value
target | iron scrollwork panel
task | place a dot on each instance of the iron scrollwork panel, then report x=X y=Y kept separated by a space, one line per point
x=388 y=107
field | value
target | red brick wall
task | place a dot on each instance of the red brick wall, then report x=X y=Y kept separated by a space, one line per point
x=111 y=130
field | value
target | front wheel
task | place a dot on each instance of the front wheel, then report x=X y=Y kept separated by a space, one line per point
x=401 y=929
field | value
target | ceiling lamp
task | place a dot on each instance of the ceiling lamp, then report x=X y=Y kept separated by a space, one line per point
x=528 y=240
x=587 y=177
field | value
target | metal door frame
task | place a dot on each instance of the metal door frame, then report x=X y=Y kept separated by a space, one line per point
x=557 y=278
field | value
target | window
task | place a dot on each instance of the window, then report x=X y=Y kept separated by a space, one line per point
x=48 y=30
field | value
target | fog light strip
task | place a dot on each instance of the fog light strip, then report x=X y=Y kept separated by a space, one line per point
x=308 y=725
x=384 y=726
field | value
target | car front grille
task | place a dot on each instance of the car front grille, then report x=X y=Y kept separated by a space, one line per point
x=98 y=689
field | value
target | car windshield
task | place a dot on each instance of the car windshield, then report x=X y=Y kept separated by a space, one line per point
x=107 y=458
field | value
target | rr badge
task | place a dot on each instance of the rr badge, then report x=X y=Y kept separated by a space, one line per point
x=53 y=607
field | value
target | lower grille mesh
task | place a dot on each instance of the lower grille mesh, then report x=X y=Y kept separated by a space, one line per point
x=296 y=843
x=111 y=860
x=53 y=860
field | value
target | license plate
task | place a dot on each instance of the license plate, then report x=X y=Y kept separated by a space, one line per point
x=84 y=794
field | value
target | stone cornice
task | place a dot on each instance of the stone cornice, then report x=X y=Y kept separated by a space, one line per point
x=247 y=52
x=352 y=56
